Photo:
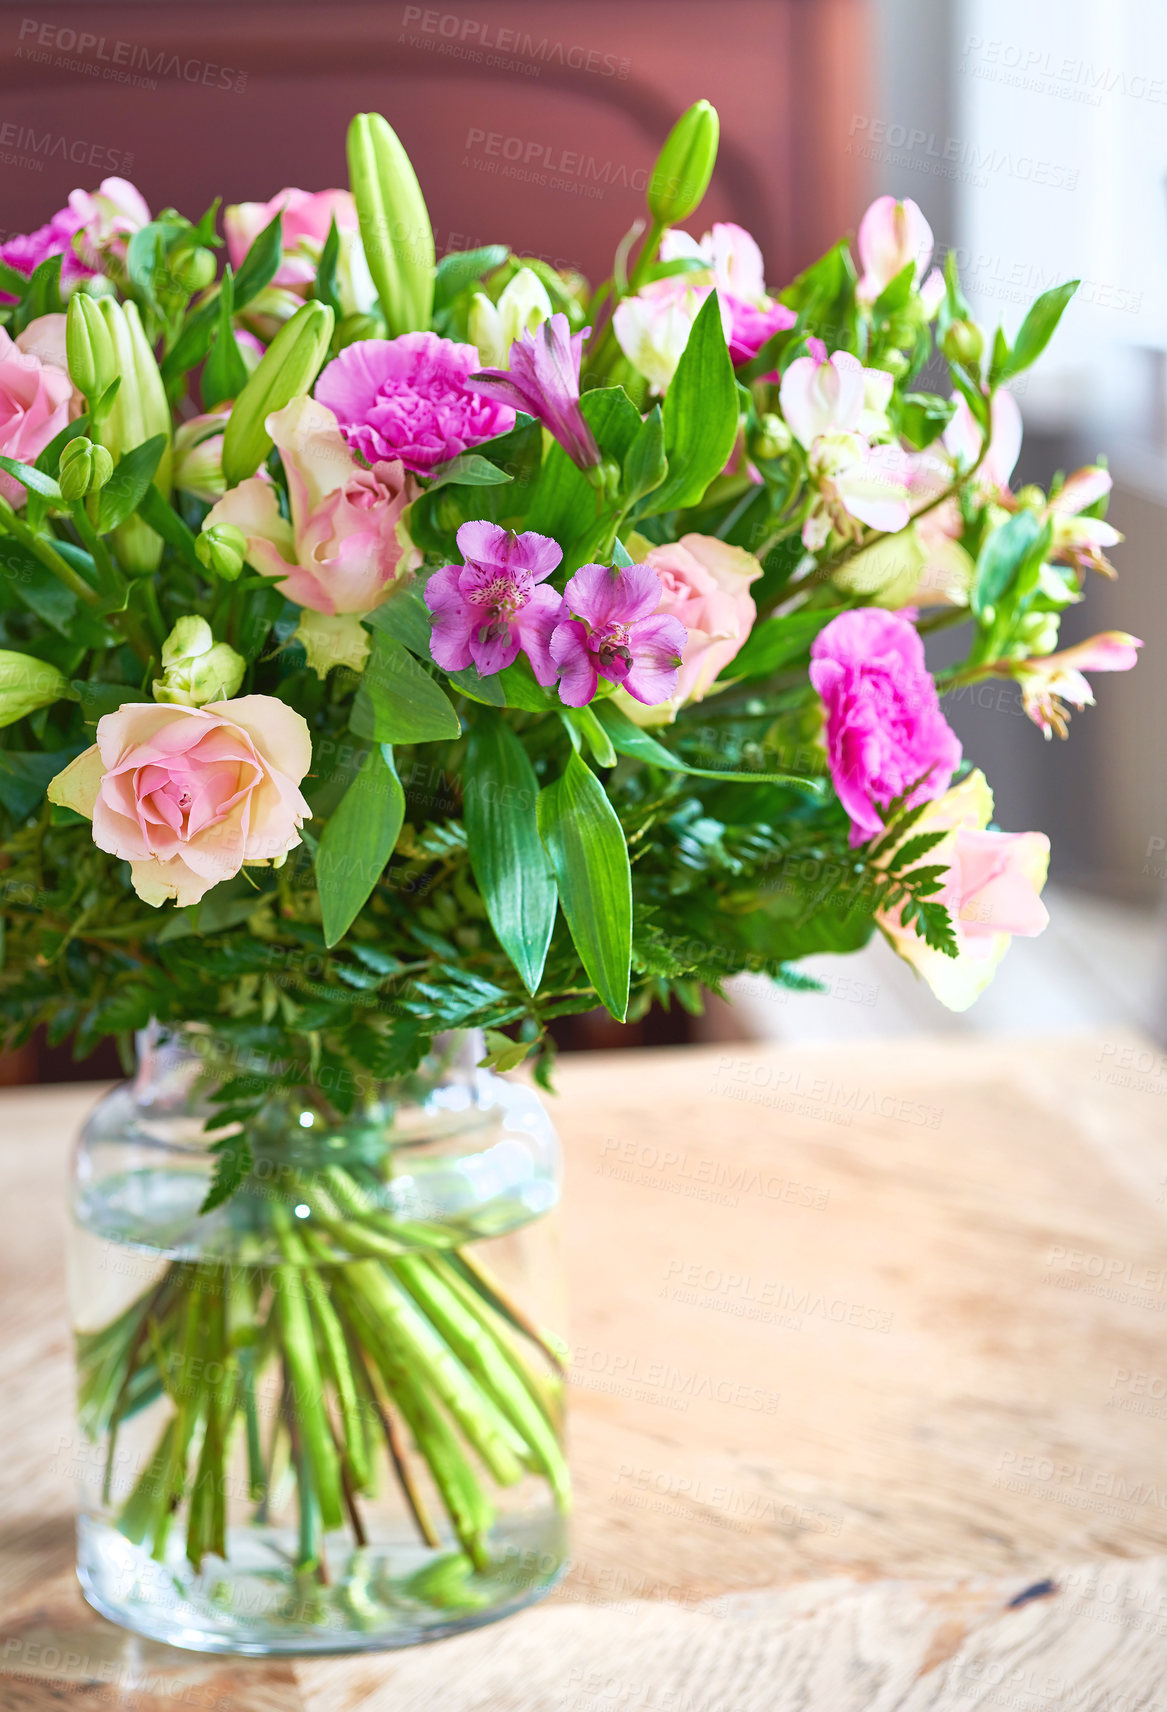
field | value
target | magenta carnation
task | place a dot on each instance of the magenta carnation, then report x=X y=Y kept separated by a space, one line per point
x=407 y=398
x=885 y=732
x=27 y=250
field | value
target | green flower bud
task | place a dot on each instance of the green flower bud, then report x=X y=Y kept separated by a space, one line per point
x=84 y=468
x=26 y=684
x=395 y=226
x=195 y=668
x=140 y=411
x=1031 y=497
x=684 y=166
x=964 y=343
x=222 y=549
x=192 y=268
x=773 y=439
x=88 y=347
x=288 y=367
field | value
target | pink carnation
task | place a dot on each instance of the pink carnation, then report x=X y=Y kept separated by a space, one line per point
x=885 y=732
x=407 y=399
x=35 y=401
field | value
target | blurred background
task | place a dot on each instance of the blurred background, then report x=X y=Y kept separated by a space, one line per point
x=1033 y=133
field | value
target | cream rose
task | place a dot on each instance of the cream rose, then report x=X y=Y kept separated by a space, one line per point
x=706 y=585
x=187 y=795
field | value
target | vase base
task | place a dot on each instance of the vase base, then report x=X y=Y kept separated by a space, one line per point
x=255 y=1604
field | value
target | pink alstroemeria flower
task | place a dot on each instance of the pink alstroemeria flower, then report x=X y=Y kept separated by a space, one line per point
x=963 y=439
x=992 y=890
x=652 y=328
x=856 y=483
x=615 y=631
x=739 y=275
x=892 y=234
x=486 y=610
x=1049 y=681
x=107 y=218
x=27 y=250
x=543 y=380
x=823 y=394
x=1082 y=541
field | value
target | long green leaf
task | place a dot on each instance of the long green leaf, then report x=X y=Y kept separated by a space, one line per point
x=700 y=415
x=585 y=842
x=628 y=738
x=1002 y=556
x=777 y=640
x=358 y=841
x=1038 y=328
x=398 y=701
x=126 y=488
x=509 y=862
x=259 y=265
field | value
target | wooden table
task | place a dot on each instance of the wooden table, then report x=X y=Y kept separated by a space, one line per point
x=871 y=1382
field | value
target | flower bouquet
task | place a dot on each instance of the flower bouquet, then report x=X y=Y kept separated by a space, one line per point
x=397 y=647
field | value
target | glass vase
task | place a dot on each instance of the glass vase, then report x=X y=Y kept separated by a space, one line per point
x=328 y=1415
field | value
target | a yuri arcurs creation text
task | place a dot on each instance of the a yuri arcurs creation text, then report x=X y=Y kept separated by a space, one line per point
x=395 y=646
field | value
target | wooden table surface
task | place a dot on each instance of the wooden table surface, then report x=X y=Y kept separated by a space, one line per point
x=870 y=1389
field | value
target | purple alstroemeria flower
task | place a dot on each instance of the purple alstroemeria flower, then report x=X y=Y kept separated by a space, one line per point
x=614 y=631
x=497 y=603
x=543 y=380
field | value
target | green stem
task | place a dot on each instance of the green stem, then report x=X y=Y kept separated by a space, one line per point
x=47 y=555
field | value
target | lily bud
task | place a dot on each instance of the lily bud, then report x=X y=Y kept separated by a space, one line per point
x=287 y=368
x=395 y=227
x=84 y=468
x=964 y=343
x=494 y=327
x=773 y=439
x=139 y=412
x=684 y=166
x=195 y=668
x=222 y=549
x=26 y=684
x=88 y=347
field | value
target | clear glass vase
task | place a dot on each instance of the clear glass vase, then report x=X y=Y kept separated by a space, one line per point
x=328 y=1415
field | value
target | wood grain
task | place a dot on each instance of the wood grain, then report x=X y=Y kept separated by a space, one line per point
x=865 y=1345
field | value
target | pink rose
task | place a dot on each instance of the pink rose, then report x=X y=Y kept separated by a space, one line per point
x=991 y=890
x=407 y=399
x=885 y=733
x=342 y=548
x=706 y=584
x=35 y=399
x=187 y=795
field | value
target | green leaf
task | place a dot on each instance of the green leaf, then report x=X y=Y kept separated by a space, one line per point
x=36 y=481
x=700 y=414
x=564 y=505
x=260 y=263
x=36 y=585
x=628 y=738
x=462 y=268
x=469 y=470
x=224 y=372
x=489 y=691
x=232 y=1163
x=645 y=464
x=895 y=293
x=776 y=641
x=510 y=865
x=405 y=616
x=1038 y=328
x=42 y=296
x=923 y=417
x=126 y=488
x=165 y=521
x=1002 y=557
x=13 y=282
x=398 y=701
x=194 y=341
x=97 y=699
x=324 y=288
x=522 y=690
x=358 y=841
x=585 y=842
x=583 y=725
x=25 y=777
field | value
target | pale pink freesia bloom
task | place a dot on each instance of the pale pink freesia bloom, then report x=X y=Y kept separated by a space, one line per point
x=855 y=484
x=706 y=584
x=613 y=629
x=992 y=891
x=35 y=401
x=1082 y=541
x=1049 y=681
x=823 y=394
x=892 y=234
x=652 y=328
x=108 y=217
x=188 y=795
x=343 y=547
x=735 y=261
x=963 y=439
